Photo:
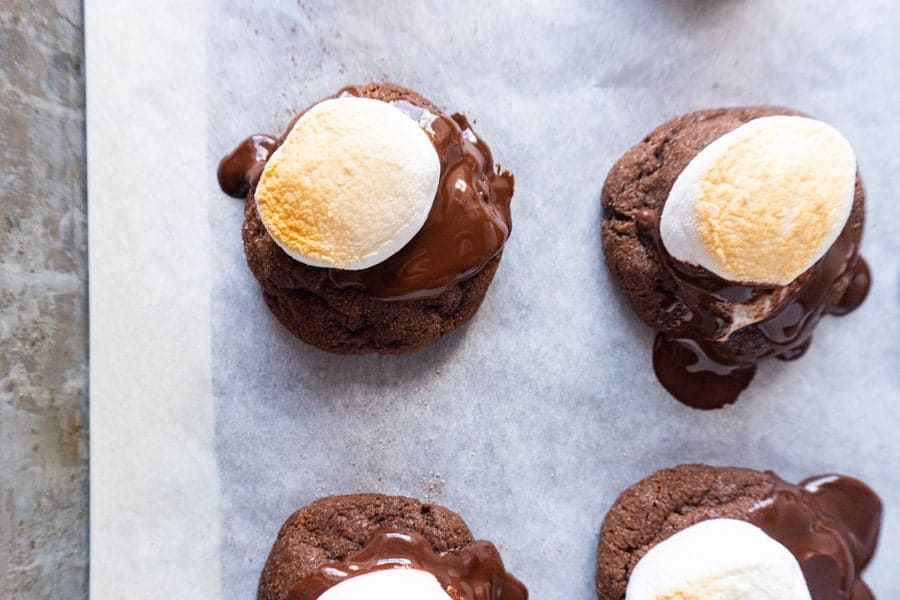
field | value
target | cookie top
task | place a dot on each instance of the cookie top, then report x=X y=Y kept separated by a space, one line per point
x=762 y=203
x=383 y=242
x=828 y=520
x=332 y=528
x=641 y=181
x=416 y=295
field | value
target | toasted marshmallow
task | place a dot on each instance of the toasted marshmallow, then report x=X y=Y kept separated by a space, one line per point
x=388 y=584
x=352 y=183
x=762 y=203
x=720 y=559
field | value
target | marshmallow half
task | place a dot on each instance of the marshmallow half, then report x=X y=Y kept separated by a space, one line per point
x=762 y=203
x=718 y=559
x=352 y=183
x=388 y=584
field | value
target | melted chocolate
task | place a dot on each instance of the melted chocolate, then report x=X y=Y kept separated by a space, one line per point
x=240 y=169
x=467 y=226
x=468 y=223
x=687 y=372
x=830 y=523
x=857 y=290
x=694 y=363
x=475 y=572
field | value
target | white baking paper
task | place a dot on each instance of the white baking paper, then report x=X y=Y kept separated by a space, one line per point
x=210 y=424
x=154 y=505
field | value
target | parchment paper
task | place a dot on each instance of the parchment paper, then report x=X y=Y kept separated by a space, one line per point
x=531 y=419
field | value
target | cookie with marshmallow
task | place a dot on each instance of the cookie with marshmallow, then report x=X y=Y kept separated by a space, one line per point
x=731 y=232
x=374 y=223
x=700 y=532
x=374 y=547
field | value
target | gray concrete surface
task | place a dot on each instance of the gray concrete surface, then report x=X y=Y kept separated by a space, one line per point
x=43 y=302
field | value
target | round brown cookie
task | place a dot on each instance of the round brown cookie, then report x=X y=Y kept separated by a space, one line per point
x=331 y=528
x=664 y=503
x=348 y=320
x=642 y=178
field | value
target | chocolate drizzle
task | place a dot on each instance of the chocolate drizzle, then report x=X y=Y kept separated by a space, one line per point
x=469 y=219
x=830 y=523
x=240 y=169
x=475 y=572
x=692 y=359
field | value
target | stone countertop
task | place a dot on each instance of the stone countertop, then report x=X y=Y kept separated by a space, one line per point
x=43 y=302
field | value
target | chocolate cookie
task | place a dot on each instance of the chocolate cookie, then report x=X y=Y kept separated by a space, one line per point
x=823 y=521
x=332 y=528
x=633 y=196
x=396 y=306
